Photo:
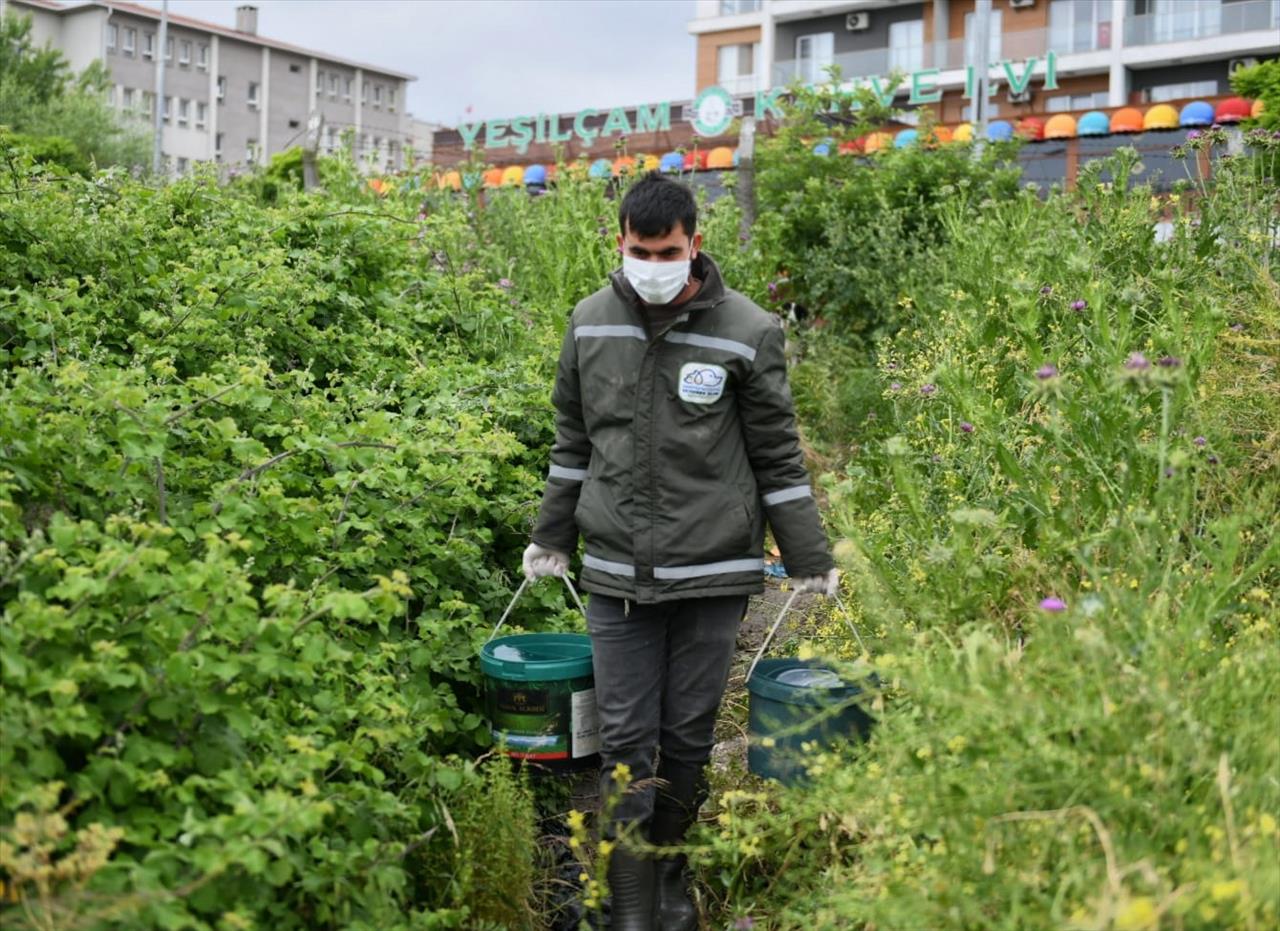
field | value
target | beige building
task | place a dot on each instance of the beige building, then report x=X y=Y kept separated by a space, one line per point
x=231 y=95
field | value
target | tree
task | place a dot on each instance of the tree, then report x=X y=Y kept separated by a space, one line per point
x=41 y=99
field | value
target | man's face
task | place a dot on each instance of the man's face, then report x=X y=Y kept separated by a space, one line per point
x=672 y=246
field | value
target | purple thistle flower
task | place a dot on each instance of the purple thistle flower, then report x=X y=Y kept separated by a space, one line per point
x=896 y=386
x=1194 y=134
x=1169 y=362
x=604 y=231
x=927 y=390
x=506 y=284
x=1047 y=290
x=1137 y=363
x=773 y=289
x=1169 y=472
x=1047 y=371
x=1079 y=305
x=1053 y=605
x=1212 y=460
x=892 y=366
x=966 y=427
x=744 y=924
x=1237 y=328
x=1199 y=441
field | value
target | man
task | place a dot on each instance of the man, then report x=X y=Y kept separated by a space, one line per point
x=675 y=439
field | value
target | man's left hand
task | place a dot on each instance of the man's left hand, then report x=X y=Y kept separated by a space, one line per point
x=827 y=586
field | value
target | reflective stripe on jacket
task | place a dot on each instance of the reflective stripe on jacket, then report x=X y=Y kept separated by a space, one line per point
x=671 y=452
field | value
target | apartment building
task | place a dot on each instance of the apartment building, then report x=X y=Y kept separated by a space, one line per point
x=231 y=95
x=1105 y=53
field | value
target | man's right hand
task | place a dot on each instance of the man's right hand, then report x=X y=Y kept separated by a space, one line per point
x=539 y=561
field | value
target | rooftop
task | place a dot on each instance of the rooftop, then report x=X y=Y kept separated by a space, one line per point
x=136 y=9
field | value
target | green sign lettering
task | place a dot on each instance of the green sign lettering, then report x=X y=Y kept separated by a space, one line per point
x=1018 y=84
x=767 y=103
x=1051 y=71
x=925 y=94
x=522 y=133
x=653 y=119
x=586 y=134
x=469 y=131
x=884 y=96
x=493 y=134
x=616 y=123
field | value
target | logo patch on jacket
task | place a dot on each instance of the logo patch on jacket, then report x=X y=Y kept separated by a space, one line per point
x=701 y=382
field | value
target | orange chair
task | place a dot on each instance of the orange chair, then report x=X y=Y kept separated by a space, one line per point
x=1060 y=126
x=493 y=177
x=720 y=157
x=1126 y=120
x=877 y=141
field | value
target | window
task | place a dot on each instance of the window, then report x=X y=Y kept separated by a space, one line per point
x=168 y=108
x=1173 y=21
x=222 y=87
x=202 y=57
x=111 y=96
x=126 y=99
x=333 y=85
x=319 y=83
x=202 y=114
x=330 y=138
x=1064 y=102
x=148 y=45
x=148 y=105
x=364 y=91
x=217 y=147
x=1164 y=92
x=182 y=165
x=113 y=36
x=1079 y=25
x=733 y=7
x=184 y=111
x=168 y=49
x=295 y=69
x=364 y=143
x=253 y=94
x=251 y=151
x=906 y=45
x=346 y=94
x=184 y=53
x=994 y=44
x=130 y=37
x=391 y=99
x=814 y=54
x=377 y=96
x=734 y=62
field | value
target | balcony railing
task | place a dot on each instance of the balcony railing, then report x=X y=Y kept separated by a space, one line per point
x=739 y=84
x=945 y=56
x=1179 y=22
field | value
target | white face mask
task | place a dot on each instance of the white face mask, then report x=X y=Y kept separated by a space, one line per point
x=656 y=282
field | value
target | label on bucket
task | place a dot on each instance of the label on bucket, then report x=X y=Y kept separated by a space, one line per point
x=584 y=723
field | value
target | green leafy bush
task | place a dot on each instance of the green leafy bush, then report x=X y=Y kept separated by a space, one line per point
x=1055 y=530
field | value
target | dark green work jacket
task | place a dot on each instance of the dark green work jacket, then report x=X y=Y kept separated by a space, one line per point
x=670 y=452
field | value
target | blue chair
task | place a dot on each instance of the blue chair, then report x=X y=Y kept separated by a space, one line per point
x=1094 y=123
x=1000 y=131
x=1196 y=113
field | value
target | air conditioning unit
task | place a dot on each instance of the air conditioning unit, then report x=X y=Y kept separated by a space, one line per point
x=1020 y=97
x=1237 y=63
x=857 y=22
x=1021 y=4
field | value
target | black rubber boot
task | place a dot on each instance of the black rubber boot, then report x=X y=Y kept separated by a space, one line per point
x=631 y=889
x=675 y=809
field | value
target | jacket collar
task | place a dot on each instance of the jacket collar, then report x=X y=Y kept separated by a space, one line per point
x=704 y=268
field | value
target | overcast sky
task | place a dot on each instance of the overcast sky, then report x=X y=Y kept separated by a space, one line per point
x=503 y=58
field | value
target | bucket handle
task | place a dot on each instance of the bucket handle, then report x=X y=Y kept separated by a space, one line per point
x=520 y=591
x=848 y=619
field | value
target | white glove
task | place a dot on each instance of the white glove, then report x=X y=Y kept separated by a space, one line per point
x=539 y=561
x=828 y=586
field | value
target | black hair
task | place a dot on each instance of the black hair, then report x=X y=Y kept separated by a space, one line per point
x=655 y=204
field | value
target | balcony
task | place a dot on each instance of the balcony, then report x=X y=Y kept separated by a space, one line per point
x=739 y=84
x=945 y=56
x=1182 y=22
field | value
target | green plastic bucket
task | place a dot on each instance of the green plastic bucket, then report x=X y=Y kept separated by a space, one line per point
x=793 y=702
x=540 y=698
